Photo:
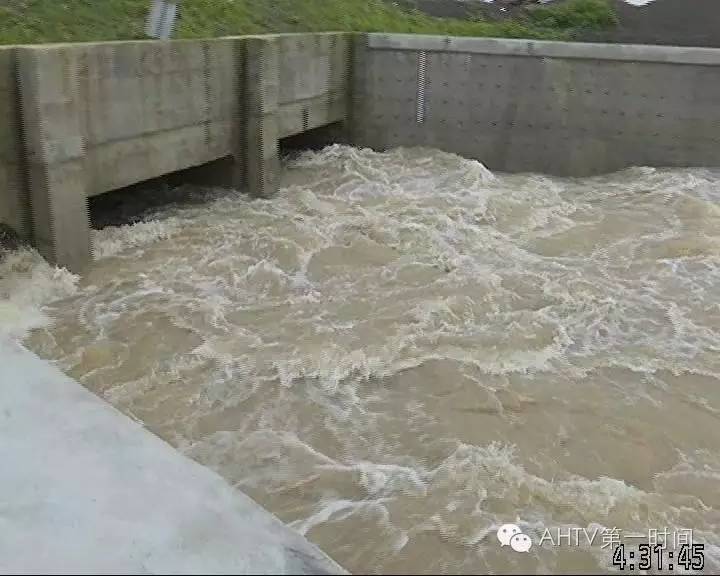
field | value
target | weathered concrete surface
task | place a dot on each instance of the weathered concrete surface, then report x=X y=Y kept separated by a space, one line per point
x=262 y=130
x=293 y=83
x=83 y=489
x=102 y=116
x=314 y=81
x=55 y=152
x=558 y=108
x=14 y=205
x=157 y=107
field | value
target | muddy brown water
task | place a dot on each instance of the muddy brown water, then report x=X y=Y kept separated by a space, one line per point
x=402 y=352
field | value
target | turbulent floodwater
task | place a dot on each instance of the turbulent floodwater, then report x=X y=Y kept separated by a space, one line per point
x=402 y=351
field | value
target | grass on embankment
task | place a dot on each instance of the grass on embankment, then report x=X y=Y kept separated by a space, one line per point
x=34 y=21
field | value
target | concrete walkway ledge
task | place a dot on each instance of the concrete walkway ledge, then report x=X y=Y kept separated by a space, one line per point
x=545 y=48
x=84 y=489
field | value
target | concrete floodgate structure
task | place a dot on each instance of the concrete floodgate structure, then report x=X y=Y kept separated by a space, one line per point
x=84 y=119
x=87 y=489
x=89 y=118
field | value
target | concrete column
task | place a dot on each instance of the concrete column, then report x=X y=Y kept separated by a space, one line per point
x=232 y=171
x=342 y=58
x=14 y=203
x=261 y=120
x=53 y=112
x=358 y=114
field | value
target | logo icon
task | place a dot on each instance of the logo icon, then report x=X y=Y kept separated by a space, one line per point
x=511 y=535
x=521 y=542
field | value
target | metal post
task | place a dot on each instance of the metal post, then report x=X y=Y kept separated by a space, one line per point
x=161 y=19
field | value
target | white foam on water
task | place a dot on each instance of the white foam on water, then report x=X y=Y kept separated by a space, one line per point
x=114 y=240
x=27 y=284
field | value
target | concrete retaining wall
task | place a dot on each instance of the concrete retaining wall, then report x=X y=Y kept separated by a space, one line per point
x=559 y=108
x=314 y=76
x=101 y=116
x=153 y=108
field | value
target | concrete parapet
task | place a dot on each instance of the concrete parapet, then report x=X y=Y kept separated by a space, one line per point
x=545 y=48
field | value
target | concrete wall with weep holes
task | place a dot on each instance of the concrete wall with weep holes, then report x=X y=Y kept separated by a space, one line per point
x=558 y=108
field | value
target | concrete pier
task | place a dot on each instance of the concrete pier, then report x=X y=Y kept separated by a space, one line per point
x=14 y=203
x=86 y=490
x=56 y=153
x=261 y=115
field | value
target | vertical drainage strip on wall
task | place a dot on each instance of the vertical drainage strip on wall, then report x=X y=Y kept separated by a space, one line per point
x=208 y=91
x=422 y=66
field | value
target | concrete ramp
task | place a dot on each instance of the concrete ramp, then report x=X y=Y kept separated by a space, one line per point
x=83 y=489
